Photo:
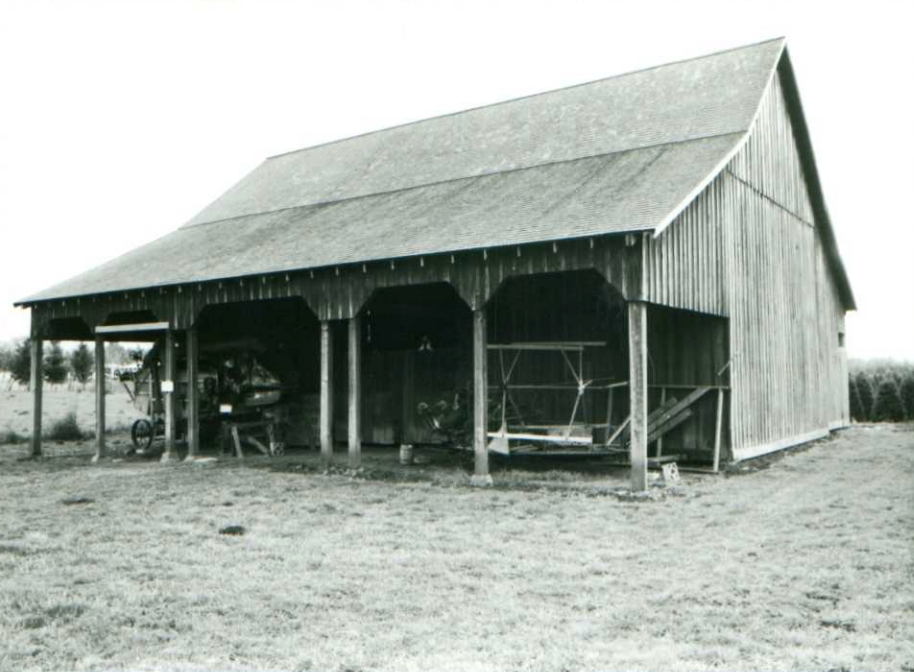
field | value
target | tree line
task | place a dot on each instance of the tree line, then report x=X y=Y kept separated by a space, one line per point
x=881 y=391
x=58 y=366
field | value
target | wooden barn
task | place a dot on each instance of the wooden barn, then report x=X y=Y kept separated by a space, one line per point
x=642 y=266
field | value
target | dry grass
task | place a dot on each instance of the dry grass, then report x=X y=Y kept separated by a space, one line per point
x=58 y=402
x=805 y=564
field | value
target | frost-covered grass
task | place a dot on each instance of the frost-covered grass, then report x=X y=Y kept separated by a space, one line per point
x=805 y=565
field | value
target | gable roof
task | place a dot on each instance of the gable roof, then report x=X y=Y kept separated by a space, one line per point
x=616 y=155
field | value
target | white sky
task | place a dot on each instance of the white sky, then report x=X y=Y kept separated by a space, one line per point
x=120 y=120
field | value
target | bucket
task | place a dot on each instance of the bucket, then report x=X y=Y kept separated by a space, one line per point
x=406 y=453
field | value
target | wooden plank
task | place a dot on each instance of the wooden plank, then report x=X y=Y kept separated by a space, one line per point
x=326 y=412
x=131 y=328
x=355 y=392
x=193 y=393
x=678 y=407
x=615 y=435
x=718 y=427
x=660 y=438
x=637 y=358
x=670 y=425
x=170 y=419
x=480 y=399
x=544 y=438
x=36 y=385
x=99 y=399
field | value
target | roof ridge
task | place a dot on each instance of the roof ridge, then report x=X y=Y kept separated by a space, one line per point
x=461 y=178
x=525 y=97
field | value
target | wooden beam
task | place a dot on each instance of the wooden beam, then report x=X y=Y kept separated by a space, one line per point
x=480 y=400
x=718 y=428
x=37 y=386
x=193 y=393
x=660 y=438
x=326 y=412
x=637 y=364
x=131 y=328
x=99 y=399
x=169 y=394
x=355 y=392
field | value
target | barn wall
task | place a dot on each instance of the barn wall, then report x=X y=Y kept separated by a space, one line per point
x=684 y=266
x=789 y=375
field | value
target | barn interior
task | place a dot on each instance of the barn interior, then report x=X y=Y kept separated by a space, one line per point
x=557 y=371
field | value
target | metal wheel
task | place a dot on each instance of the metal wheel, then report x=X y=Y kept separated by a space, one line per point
x=142 y=434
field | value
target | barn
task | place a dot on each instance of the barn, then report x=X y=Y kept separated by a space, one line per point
x=641 y=267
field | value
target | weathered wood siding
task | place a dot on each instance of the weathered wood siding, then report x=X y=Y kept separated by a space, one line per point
x=684 y=266
x=789 y=375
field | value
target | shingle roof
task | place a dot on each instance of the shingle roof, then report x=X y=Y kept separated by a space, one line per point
x=616 y=155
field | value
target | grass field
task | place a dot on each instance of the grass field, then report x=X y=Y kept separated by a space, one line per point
x=801 y=563
x=57 y=401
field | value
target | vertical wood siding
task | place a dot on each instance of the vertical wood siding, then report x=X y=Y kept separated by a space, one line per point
x=789 y=376
x=684 y=266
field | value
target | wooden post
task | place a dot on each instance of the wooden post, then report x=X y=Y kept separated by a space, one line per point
x=326 y=416
x=660 y=440
x=36 y=350
x=193 y=393
x=99 y=398
x=480 y=400
x=718 y=427
x=169 y=389
x=637 y=386
x=355 y=393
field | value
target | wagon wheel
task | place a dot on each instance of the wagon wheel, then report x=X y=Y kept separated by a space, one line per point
x=142 y=433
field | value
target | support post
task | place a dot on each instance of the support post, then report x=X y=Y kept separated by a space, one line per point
x=99 y=398
x=36 y=351
x=718 y=427
x=480 y=400
x=193 y=393
x=326 y=414
x=169 y=388
x=355 y=392
x=637 y=386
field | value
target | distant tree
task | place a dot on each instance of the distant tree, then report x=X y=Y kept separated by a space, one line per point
x=55 y=364
x=907 y=396
x=888 y=407
x=856 y=408
x=6 y=357
x=136 y=355
x=81 y=364
x=21 y=365
x=865 y=391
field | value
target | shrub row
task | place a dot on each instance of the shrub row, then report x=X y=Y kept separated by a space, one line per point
x=881 y=391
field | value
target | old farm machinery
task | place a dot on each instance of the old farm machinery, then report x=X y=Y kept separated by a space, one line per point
x=240 y=400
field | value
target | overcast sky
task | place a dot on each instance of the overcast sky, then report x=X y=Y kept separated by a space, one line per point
x=120 y=120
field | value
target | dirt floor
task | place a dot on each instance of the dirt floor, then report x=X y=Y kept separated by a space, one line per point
x=799 y=562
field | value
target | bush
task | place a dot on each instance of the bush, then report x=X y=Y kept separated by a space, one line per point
x=907 y=396
x=66 y=429
x=888 y=406
x=865 y=393
x=55 y=364
x=21 y=364
x=854 y=396
x=12 y=437
x=81 y=364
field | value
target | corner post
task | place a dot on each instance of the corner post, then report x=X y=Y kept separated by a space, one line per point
x=36 y=352
x=355 y=392
x=637 y=385
x=326 y=412
x=480 y=400
x=99 y=398
x=193 y=394
x=170 y=453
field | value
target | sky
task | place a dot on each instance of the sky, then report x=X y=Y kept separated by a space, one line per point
x=121 y=120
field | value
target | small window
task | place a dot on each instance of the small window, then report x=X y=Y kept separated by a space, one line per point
x=840 y=339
